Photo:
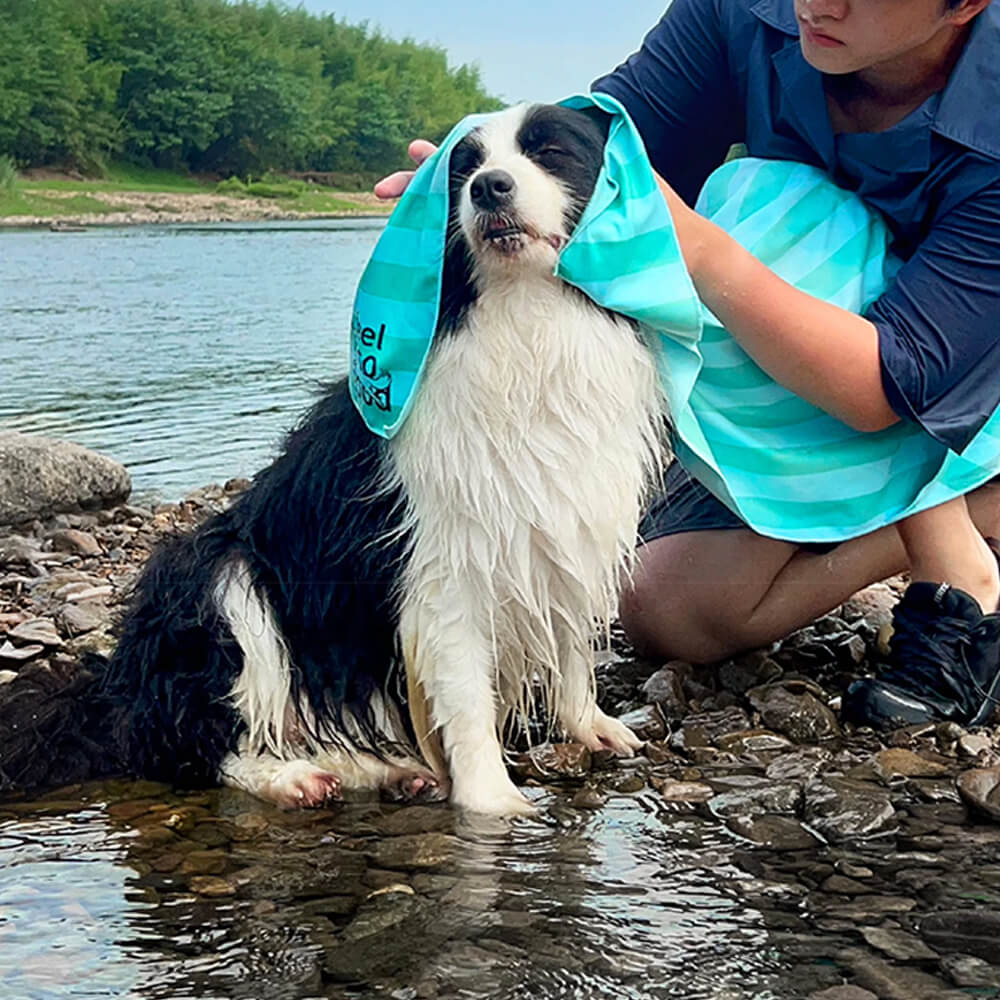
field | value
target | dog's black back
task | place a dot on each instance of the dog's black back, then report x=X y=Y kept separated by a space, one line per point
x=312 y=518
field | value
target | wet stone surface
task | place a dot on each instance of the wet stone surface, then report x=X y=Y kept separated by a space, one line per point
x=755 y=848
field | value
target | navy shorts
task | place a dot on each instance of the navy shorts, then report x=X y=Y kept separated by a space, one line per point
x=685 y=505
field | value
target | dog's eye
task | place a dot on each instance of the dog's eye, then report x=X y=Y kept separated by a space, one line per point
x=551 y=150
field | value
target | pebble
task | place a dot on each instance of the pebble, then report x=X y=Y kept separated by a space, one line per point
x=685 y=791
x=845 y=810
x=794 y=711
x=552 y=761
x=980 y=788
x=80 y=543
x=40 y=631
x=19 y=654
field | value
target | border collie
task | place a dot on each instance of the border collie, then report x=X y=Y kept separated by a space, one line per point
x=371 y=614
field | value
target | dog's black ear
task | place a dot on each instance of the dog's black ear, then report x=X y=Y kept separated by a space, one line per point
x=601 y=119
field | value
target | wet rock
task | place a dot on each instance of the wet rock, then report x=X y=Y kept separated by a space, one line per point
x=896 y=762
x=776 y=833
x=845 y=810
x=802 y=764
x=969 y=971
x=647 y=722
x=39 y=476
x=705 y=729
x=685 y=791
x=666 y=688
x=980 y=788
x=970 y=932
x=845 y=886
x=769 y=797
x=898 y=944
x=895 y=982
x=974 y=744
x=78 y=543
x=415 y=819
x=6 y=676
x=753 y=741
x=589 y=798
x=211 y=886
x=794 y=709
x=414 y=851
x=551 y=761
x=204 y=863
x=375 y=942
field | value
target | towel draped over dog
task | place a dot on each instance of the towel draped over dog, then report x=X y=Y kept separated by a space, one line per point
x=787 y=468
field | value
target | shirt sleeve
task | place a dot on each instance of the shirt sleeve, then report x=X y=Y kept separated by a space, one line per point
x=677 y=89
x=939 y=324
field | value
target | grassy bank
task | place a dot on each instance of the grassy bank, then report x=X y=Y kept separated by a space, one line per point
x=129 y=194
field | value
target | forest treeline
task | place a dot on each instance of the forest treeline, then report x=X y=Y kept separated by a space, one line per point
x=219 y=87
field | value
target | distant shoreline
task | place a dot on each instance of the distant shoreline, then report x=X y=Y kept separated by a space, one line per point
x=143 y=208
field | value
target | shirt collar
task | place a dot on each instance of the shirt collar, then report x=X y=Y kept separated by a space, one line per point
x=968 y=111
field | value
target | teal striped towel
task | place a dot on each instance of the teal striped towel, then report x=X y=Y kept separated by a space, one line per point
x=787 y=468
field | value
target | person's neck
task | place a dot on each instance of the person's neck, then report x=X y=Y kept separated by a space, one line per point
x=877 y=97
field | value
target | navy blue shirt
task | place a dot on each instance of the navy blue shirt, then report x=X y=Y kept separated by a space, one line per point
x=716 y=72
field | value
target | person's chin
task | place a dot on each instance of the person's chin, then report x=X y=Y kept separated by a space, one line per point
x=831 y=60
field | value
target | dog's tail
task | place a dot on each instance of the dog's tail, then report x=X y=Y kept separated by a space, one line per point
x=53 y=726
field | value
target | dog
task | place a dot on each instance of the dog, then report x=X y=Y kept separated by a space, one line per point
x=371 y=613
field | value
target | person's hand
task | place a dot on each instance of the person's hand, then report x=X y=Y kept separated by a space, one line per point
x=395 y=184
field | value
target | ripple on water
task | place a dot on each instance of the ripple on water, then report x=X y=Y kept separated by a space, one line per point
x=149 y=895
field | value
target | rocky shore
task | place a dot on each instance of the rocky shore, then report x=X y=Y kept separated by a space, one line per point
x=876 y=859
x=134 y=208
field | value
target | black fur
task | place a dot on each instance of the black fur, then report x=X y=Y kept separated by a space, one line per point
x=316 y=533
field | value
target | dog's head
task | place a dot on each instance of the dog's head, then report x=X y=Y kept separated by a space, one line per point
x=519 y=184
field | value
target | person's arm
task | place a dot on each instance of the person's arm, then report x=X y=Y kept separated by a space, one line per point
x=934 y=333
x=821 y=352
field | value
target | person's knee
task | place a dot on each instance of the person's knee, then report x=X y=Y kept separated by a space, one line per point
x=668 y=623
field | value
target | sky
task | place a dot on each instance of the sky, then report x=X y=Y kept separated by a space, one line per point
x=527 y=50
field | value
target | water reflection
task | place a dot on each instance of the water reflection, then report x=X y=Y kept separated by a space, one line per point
x=133 y=892
x=185 y=352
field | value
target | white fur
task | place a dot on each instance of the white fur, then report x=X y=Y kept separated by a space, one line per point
x=525 y=461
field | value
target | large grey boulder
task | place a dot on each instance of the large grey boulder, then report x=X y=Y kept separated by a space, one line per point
x=40 y=476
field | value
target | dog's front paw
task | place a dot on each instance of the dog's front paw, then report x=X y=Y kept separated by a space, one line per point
x=605 y=733
x=414 y=785
x=500 y=801
x=301 y=785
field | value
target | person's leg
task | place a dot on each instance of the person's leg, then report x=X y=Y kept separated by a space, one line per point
x=943 y=545
x=704 y=595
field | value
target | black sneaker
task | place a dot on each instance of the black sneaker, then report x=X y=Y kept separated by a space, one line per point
x=943 y=664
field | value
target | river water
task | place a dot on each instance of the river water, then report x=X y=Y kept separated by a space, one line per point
x=184 y=352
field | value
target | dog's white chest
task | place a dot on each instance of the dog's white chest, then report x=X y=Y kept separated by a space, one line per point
x=527 y=454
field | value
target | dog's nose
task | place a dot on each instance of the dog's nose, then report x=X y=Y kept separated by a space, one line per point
x=491 y=188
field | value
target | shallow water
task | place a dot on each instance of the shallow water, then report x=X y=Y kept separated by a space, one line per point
x=124 y=890
x=185 y=352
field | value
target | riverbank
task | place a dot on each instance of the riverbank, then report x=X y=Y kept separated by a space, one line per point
x=148 y=197
x=871 y=860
